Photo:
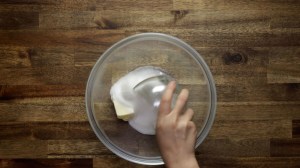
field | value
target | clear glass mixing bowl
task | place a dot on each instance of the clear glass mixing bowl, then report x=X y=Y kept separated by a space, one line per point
x=179 y=60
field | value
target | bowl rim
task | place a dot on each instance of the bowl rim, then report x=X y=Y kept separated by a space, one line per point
x=100 y=133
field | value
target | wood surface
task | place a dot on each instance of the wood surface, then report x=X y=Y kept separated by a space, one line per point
x=47 y=49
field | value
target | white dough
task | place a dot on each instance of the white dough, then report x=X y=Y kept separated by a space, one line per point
x=141 y=90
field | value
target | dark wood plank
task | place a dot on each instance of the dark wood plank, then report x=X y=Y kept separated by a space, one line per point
x=19 y=20
x=284 y=73
x=287 y=19
x=49 y=163
x=284 y=65
x=200 y=19
x=35 y=5
x=296 y=128
x=234 y=56
x=234 y=148
x=251 y=129
x=284 y=55
x=72 y=20
x=51 y=57
x=61 y=38
x=239 y=75
x=222 y=20
x=15 y=57
x=229 y=20
x=106 y=38
x=236 y=5
x=76 y=149
x=23 y=76
x=134 y=5
x=46 y=75
x=87 y=57
x=9 y=92
x=59 y=5
x=269 y=92
x=274 y=39
x=43 y=110
x=46 y=131
x=22 y=149
x=255 y=110
x=220 y=38
x=249 y=162
x=285 y=147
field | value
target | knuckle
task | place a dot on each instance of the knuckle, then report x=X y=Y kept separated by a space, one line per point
x=165 y=100
x=182 y=98
x=174 y=126
x=192 y=125
x=191 y=111
x=181 y=126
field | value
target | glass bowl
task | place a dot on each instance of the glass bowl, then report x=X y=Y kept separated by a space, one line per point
x=169 y=53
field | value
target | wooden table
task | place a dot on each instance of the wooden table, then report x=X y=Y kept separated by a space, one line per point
x=47 y=49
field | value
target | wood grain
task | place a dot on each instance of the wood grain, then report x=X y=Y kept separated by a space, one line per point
x=35 y=163
x=48 y=48
x=233 y=5
x=234 y=148
x=283 y=73
x=252 y=129
x=257 y=110
x=285 y=147
x=19 y=20
x=46 y=131
x=9 y=92
x=23 y=149
x=249 y=162
x=267 y=92
x=296 y=128
x=43 y=110
x=76 y=148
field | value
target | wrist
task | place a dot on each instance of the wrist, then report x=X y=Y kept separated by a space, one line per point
x=182 y=162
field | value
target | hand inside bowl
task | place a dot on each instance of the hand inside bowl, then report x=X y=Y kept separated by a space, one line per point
x=175 y=131
x=136 y=97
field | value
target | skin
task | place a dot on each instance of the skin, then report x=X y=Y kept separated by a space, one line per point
x=175 y=132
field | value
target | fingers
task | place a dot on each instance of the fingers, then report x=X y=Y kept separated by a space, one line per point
x=188 y=115
x=184 y=121
x=186 y=129
x=191 y=132
x=180 y=103
x=191 y=127
x=165 y=104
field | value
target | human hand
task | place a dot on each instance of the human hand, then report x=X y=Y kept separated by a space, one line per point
x=175 y=132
